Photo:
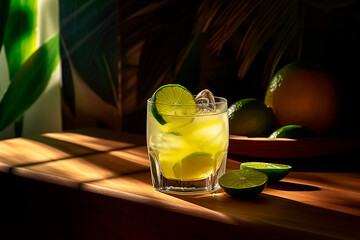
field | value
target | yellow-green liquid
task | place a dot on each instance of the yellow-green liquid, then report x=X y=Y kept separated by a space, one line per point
x=188 y=148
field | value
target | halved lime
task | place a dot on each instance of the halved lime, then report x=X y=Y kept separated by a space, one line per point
x=274 y=171
x=293 y=132
x=245 y=183
x=196 y=166
x=171 y=101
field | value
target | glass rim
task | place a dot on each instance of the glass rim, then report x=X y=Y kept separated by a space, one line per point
x=220 y=101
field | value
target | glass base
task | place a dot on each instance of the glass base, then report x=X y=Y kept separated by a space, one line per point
x=185 y=187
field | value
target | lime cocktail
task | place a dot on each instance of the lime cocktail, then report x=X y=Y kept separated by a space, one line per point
x=187 y=139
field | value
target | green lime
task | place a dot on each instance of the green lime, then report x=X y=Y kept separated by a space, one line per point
x=292 y=131
x=274 y=171
x=251 y=117
x=198 y=165
x=245 y=183
x=172 y=100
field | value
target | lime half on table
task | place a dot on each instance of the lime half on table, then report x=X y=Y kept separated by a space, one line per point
x=274 y=171
x=170 y=102
x=243 y=183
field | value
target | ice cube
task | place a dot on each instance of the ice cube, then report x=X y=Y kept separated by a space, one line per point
x=206 y=101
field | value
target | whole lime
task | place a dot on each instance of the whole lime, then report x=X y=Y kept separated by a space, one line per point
x=251 y=117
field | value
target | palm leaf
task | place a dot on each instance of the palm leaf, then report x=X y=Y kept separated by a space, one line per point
x=4 y=10
x=281 y=43
x=165 y=29
x=89 y=41
x=189 y=68
x=20 y=35
x=221 y=20
x=29 y=83
x=20 y=40
x=261 y=22
x=67 y=89
x=165 y=32
x=271 y=18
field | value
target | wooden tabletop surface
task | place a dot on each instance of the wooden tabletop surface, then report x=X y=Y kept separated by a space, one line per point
x=96 y=183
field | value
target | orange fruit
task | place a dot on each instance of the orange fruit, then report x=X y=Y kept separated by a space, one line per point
x=306 y=95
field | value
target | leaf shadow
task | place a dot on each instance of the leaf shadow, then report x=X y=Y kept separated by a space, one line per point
x=288 y=186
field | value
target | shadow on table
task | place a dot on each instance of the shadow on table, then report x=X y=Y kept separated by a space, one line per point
x=288 y=186
x=274 y=214
x=77 y=157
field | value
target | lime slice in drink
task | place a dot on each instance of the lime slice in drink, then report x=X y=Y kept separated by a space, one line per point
x=196 y=166
x=274 y=171
x=243 y=183
x=171 y=101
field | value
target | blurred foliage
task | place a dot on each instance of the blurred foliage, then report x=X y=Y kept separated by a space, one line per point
x=259 y=22
x=89 y=44
x=20 y=40
x=20 y=35
x=29 y=69
x=4 y=10
x=173 y=32
x=202 y=44
x=29 y=83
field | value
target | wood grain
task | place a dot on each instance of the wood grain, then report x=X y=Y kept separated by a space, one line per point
x=54 y=146
x=100 y=179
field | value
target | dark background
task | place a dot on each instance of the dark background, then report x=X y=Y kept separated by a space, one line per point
x=330 y=38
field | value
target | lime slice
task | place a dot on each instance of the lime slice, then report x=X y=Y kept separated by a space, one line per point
x=196 y=166
x=274 y=171
x=243 y=183
x=171 y=101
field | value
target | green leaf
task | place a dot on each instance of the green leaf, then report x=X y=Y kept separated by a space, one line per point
x=251 y=25
x=67 y=89
x=270 y=21
x=4 y=10
x=189 y=71
x=30 y=82
x=89 y=42
x=165 y=30
x=20 y=34
x=19 y=125
x=280 y=45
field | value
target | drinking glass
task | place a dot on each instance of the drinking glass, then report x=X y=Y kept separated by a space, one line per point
x=188 y=153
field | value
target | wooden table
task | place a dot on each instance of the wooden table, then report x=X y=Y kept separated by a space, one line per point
x=96 y=184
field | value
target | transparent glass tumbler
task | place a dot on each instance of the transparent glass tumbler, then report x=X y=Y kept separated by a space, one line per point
x=188 y=152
